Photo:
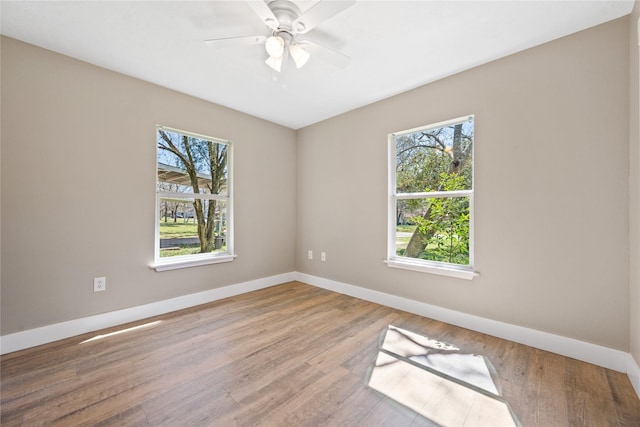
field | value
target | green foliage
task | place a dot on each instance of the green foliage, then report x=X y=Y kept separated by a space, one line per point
x=420 y=166
x=448 y=224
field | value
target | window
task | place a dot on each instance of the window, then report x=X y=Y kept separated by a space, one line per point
x=194 y=209
x=431 y=198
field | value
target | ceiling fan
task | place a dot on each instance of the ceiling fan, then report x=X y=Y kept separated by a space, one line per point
x=286 y=23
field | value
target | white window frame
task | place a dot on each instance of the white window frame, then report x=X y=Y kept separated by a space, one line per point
x=184 y=261
x=426 y=266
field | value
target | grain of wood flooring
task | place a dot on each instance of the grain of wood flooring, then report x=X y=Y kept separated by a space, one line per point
x=296 y=355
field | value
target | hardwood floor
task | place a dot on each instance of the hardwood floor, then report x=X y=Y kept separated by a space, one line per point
x=296 y=355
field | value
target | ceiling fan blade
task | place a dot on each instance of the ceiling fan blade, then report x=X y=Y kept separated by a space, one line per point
x=319 y=13
x=266 y=15
x=326 y=54
x=236 y=41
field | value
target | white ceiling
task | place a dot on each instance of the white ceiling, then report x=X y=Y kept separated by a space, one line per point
x=394 y=45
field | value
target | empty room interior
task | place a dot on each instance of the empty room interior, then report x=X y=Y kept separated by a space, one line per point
x=289 y=213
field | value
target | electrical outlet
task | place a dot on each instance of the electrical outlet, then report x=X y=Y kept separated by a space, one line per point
x=99 y=284
x=310 y=254
x=323 y=256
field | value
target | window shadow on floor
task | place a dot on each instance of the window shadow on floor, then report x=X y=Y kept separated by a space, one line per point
x=439 y=381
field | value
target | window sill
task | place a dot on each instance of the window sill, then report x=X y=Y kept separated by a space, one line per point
x=443 y=270
x=191 y=261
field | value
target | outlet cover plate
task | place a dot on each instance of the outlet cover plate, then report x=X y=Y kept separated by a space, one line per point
x=99 y=284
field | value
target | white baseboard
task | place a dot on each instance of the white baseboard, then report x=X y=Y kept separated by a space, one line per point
x=33 y=337
x=633 y=371
x=592 y=353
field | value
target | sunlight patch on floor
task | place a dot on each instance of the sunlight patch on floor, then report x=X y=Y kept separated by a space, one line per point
x=122 y=331
x=438 y=382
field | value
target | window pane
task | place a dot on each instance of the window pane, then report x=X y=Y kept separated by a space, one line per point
x=178 y=226
x=436 y=159
x=433 y=229
x=188 y=164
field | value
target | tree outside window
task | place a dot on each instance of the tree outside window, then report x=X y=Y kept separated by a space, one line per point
x=194 y=198
x=431 y=199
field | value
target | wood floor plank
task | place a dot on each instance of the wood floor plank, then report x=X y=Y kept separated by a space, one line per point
x=624 y=397
x=298 y=355
x=263 y=402
x=550 y=404
x=135 y=416
x=81 y=393
x=321 y=402
x=198 y=401
x=588 y=400
x=345 y=350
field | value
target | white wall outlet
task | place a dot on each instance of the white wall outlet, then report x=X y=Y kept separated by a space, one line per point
x=310 y=254
x=323 y=256
x=99 y=284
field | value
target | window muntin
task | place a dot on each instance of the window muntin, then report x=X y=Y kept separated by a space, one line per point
x=194 y=198
x=431 y=196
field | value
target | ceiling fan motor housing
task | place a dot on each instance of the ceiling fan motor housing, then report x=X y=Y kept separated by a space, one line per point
x=286 y=12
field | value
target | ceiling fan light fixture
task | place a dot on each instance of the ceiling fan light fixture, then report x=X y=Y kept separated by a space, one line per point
x=274 y=62
x=275 y=46
x=299 y=54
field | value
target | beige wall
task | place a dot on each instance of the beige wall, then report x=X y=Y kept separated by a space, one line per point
x=78 y=183
x=551 y=182
x=634 y=182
